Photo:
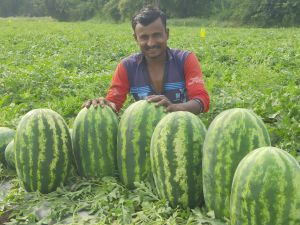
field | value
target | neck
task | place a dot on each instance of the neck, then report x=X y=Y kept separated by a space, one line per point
x=158 y=60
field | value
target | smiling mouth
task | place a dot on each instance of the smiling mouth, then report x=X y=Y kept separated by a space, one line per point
x=152 y=48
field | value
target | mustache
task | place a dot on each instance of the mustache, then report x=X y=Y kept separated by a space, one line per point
x=152 y=47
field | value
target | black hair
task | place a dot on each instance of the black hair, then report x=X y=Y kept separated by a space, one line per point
x=147 y=15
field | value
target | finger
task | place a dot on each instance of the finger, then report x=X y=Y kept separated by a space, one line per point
x=164 y=102
x=102 y=102
x=156 y=98
x=174 y=107
x=95 y=102
x=113 y=106
x=169 y=109
x=86 y=104
x=150 y=96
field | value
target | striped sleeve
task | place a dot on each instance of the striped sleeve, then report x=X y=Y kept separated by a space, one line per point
x=194 y=81
x=119 y=88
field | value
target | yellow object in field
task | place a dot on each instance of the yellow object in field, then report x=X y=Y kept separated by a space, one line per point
x=202 y=33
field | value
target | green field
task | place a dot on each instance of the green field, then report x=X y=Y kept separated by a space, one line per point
x=46 y=64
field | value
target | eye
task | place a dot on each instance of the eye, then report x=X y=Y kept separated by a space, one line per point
x=143 y=37
x=157 y=35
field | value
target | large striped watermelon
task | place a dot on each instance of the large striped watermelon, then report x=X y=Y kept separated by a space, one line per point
x=230 y=136
x=10 y=155
x=134 y=135
x=176 y=159
x=94 y=137
x=6 y=135
x=43 y=148
x=266 y=189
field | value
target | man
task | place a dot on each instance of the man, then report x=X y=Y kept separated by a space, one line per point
x=164 y=76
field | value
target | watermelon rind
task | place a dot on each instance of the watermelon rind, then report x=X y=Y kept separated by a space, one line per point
x=133 y=142
x=42 y=150
x=10 y=155
x=6 y=135
x=266 y=189
x=176 y=159
x=94 y=138
x=230 y=136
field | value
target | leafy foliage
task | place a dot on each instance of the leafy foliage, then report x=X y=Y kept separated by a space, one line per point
x=264 y=13
x=22 y=8
x=70 y=10
x=60 y=65
x=267 y=13
x=94 y=201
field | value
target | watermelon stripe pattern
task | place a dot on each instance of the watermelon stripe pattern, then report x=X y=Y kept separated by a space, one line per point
x=266 y=189
x=10 y=155
x=133 y=145
x=94 y=137
x=230 y=136
x=176 y=159
x=6 y=135
x=42 y=149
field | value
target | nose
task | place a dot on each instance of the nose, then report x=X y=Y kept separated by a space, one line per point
x=151 y=41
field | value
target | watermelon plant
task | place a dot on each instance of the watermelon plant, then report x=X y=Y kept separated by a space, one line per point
x=266 y=189
x=133 y=143
x=94 y=138
x=43 y=150
x=230 y=136
x=48 y=64
x=176 y=159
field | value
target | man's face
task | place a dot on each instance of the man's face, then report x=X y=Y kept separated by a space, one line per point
x=152 y=39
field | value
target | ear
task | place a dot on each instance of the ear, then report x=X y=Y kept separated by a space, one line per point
x=167 y=31
x=134 y=36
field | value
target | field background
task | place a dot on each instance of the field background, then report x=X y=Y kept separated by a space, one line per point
x=48 y=64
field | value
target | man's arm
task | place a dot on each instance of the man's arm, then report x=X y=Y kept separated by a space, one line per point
x=119 y=88
x=194 y=82
x=197 y=94
x=117 y=92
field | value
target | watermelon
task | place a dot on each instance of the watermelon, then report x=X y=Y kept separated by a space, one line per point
x=266 y=189
x=6 y=135
x=230 y=136
x=133 y=145
x=42 y=149
x=176 y=159
x=10 y=155
x=94 y=138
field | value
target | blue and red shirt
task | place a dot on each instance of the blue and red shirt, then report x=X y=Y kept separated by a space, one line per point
x=183 y=79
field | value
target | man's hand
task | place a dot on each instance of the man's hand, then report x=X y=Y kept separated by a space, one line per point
x=99 y=102
x=190 y=106
x=161 y=100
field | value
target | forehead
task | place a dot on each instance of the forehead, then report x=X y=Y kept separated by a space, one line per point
x=155 y=26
